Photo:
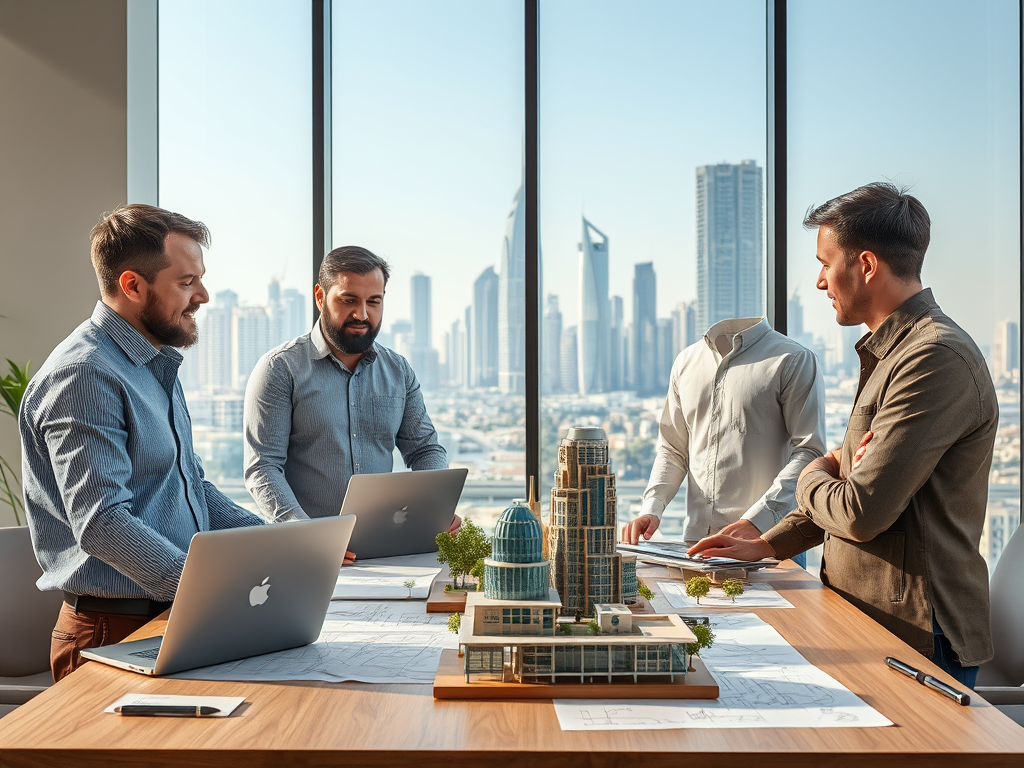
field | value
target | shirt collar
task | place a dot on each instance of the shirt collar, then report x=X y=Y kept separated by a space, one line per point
x=749 y=330
x=321 y=349
x=891 y=330
x=136 y=346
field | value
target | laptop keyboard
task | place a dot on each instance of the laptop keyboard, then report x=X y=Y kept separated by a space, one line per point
x=148 y=654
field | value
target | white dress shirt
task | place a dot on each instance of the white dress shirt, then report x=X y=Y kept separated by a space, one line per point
x=745 y=413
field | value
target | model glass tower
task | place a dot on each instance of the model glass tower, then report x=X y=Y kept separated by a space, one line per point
x=516 y=569
x=586 y=569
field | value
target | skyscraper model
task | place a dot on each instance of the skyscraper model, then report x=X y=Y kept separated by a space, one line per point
x=586 y=569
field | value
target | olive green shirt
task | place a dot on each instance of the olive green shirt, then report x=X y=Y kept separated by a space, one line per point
x=901 y=533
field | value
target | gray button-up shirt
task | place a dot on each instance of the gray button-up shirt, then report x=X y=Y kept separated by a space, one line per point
x=741 y=427
x=310 y=424
x=113 y=490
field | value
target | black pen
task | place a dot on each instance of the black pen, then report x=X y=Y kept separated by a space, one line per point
x=948 y=691
x=165 y=710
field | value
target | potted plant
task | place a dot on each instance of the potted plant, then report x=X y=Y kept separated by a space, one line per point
x=12 y=389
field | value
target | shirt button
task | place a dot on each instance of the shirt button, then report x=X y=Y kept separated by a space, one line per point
x=353 y=434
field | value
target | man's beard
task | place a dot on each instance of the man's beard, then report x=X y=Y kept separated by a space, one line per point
x=165 y=331
x=345 y=342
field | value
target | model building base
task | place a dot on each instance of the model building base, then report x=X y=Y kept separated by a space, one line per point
x=450 y=683
x=439 y=601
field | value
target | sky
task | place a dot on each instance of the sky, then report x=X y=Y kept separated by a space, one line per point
x=428 y=131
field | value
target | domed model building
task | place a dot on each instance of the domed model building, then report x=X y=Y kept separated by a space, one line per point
x=516 y=569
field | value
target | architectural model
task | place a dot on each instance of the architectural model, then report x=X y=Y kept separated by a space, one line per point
x=586 y=569
x=512 y=633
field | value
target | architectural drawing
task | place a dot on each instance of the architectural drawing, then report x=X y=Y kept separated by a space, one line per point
x=392 y=642
x=763 y=681
x=754 y=596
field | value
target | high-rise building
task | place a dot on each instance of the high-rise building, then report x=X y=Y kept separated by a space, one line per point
x=684 y=327
x=512 y=299
x=618 y=374
x=664 y=357
x=1005 y=351
x=216 y=358
x=295 y=309
x=422 y=312
x=467 y=346
x=645 y=330
x=730 y=244
x=484 y=333
x=551 y=371
x=586 y=569
x=250 y=338
x=570 y=360
x=454 y=355
x=594 y=311
x=795 y=321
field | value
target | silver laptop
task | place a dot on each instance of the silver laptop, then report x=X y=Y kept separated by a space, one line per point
x=400 y=513
x=243 y=592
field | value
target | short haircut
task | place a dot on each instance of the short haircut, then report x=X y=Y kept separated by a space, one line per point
x=350 y=258
x=131 y=238
x=880 y=218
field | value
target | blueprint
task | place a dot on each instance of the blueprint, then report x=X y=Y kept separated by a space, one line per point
x=390 y=642
x=764 y=683
x=754 y=596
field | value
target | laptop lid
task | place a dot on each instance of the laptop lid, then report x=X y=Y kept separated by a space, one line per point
x=400 y=513
x=245 y=592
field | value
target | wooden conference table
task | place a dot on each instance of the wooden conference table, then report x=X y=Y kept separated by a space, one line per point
x=320 y=724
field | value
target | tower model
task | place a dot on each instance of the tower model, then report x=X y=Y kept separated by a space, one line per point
x=586 y=569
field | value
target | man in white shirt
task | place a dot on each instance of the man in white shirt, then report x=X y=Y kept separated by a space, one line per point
x=745 y=414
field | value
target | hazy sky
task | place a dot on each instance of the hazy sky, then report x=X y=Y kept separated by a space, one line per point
x=428 y=126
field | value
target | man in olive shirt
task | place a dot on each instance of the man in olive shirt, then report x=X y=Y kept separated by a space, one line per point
x=901 y=528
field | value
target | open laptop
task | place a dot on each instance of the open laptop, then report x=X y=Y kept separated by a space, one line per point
x=243 y=592
x=400 y=513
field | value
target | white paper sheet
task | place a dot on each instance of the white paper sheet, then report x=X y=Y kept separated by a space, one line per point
x=226 y=704
x=384 y=578
x=754 y=596
x=764 y=683
x=388 y=642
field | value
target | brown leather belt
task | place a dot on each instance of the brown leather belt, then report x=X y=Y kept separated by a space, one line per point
x=120 y=606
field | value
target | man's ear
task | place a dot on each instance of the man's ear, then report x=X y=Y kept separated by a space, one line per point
x=130 y=285
x=868 y=264
x=318 y=296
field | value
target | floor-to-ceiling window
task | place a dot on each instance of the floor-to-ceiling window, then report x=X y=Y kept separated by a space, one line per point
x=652 y=128
x=427 y=158
x=925 y=94
x=235 y=143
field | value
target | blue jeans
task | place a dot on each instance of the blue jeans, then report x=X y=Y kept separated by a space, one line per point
x=946 y=658
x=801 y=559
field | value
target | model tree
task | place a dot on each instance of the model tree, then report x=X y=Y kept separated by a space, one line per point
x=477 y=572
x=409 y=584
x=460 y=551
x=565 y=627
x=698 y=586
x=454 y=622
x=733 y=588
x=705 y=639
x=593 y=627
x=644 y=590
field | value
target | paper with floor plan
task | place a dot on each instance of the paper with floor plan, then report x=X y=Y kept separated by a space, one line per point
x=368 y=642
x=764 y=683
x=754 y=596
x=384 y=582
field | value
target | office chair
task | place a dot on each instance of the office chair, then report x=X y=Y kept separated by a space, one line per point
x=27 y=617
x=1001 y=680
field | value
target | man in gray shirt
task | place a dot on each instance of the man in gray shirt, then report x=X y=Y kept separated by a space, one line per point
x=745 y=413
x=333 y=404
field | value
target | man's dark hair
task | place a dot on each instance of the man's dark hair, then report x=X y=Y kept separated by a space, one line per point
x=880 y=218
x=350 y=258
x=131 y=238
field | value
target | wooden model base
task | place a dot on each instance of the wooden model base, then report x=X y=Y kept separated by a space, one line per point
x=450 y=683
x=439 y=601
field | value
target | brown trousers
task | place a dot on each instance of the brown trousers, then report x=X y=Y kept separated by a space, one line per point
x=76 y=632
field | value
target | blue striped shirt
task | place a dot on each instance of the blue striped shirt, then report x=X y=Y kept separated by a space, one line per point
x=113 y=490
x=310 y=424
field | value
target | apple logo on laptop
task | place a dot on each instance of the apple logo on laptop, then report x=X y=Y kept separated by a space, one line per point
x=401 y=515
x=258 y=595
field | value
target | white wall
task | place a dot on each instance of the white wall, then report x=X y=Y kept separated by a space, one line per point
x=62 y=164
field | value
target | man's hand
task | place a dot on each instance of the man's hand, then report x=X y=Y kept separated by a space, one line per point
x=455 y=526
x=862 y=449
x=350 y=557
x=723 y=545
x=742 y=529
x=645 y=526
